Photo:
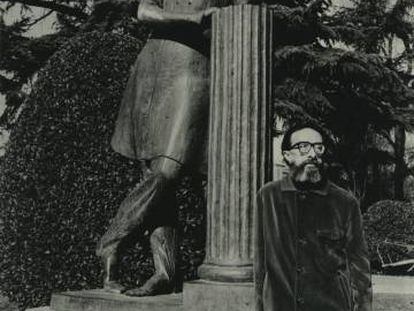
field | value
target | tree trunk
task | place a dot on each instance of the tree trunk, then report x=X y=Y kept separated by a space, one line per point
x=399 y=173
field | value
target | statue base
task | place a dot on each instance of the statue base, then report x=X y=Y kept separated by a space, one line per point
x=203 y=295
x=99 y=300
x=390 y=294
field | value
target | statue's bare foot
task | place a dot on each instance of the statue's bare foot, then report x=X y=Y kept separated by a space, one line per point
x=156 y=285
x=113 y=287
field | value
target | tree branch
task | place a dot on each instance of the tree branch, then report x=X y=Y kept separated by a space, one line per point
x=40 y=19
x=7 y=84
x=51 y=5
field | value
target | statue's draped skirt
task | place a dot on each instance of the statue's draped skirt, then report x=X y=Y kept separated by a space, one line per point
x=164 y=110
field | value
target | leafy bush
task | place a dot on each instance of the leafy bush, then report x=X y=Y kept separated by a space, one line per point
x=389 y=228
x=5 y=305
x=61 y=183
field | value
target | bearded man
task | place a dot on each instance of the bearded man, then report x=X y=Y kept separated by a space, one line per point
x=310 y=250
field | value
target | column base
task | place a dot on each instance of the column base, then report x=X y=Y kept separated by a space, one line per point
x=203 y=295
x=231 y=274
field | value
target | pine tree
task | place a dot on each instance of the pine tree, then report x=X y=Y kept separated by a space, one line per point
x=381 y=24
x=22 y=57
x=351 y=92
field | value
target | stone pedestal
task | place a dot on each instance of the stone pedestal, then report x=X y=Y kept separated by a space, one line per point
x=99 y=300
x=212 y=296
x=390 y=294
x=393 y=293
x=239 y=138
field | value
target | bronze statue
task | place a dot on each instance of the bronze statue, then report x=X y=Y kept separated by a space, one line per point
x=162 y=122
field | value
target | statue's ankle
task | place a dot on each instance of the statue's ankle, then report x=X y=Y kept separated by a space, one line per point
x=113 y=286
x=162 y=277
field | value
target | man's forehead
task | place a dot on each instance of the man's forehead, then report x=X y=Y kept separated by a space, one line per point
x=306 y=135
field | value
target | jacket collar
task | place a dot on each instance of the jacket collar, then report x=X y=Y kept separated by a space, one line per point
x=287 y=185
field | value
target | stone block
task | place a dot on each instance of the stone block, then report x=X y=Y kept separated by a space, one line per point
x=217 y=296
x=392 y=293
x=99 y=300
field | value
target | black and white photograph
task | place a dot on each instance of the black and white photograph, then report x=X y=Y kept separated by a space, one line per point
x=207 y=155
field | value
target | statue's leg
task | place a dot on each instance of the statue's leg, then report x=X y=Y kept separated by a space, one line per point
x=163 y=246
x=132 y=214
x=111 y=284
x=163 y=237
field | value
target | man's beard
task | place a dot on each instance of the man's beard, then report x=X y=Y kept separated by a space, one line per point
x=309 y=172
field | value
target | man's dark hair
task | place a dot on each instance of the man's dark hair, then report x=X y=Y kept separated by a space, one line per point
x=286 y=144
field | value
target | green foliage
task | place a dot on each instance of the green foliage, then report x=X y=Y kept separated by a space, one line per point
x=299 y=24
x=371 y=23
x=352 y=94
x=337 y=82
x=389 y=226
x=22 y=57
x=5 y=305
x=61 y=183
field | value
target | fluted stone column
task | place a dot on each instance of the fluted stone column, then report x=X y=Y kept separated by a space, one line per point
x=239 y=156
x=239 y=137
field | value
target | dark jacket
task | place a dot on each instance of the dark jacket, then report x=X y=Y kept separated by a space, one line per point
x=310 y=251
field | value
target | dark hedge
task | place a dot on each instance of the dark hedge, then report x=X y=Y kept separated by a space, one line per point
x=5 y=305
x=61 y=183
x=389 y=228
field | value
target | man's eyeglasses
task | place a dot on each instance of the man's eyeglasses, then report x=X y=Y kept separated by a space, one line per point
x=304 y=147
